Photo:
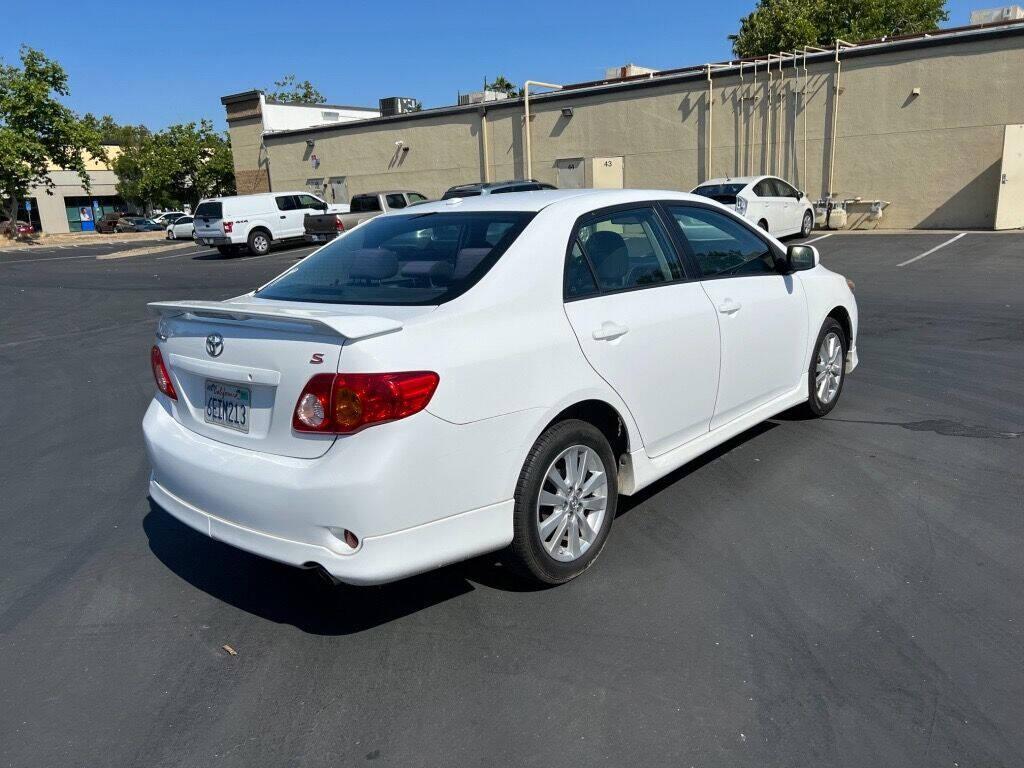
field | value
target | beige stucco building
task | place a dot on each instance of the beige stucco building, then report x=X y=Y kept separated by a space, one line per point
x=59 y=208
x=916 y=122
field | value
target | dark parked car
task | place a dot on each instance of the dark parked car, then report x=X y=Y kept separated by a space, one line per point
x=136 y=224
x=108 y=221
x=495 y=187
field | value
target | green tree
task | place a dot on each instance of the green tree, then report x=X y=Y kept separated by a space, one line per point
x=177 y=166
x=784 y=25
x=502 y=85
x=111 y=132
x=292 y=92
x=37 y=131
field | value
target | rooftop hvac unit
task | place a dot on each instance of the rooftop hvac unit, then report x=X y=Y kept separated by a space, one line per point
x=398 y=105
x=991 y=15
x=627 y=70
x=478 y=97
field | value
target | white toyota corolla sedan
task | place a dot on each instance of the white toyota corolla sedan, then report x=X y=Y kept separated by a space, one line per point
x=476 y=374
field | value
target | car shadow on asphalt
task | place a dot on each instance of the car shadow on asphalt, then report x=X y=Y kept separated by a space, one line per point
x=288 y=595
x=629 y=503
x=301 y=598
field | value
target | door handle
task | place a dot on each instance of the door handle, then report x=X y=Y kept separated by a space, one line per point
x=609 y=331
x=284 y=217
x=729 y=307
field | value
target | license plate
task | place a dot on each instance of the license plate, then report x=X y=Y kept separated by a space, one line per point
x=319 y=238
x=208 y=240
x=228 y=405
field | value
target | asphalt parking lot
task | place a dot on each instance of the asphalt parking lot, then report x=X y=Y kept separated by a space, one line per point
x=839 y=592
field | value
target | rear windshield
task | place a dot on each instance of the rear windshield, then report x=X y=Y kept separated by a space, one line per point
x=364 y=204
x=210 y=210
x=723 y=193
x=422 y=259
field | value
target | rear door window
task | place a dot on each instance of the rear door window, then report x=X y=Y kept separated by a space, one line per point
x=629 y=249
x=396 y=201
x=286 y=202
x=764 y=188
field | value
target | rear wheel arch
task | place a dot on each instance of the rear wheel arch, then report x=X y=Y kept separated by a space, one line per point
x=602 y=415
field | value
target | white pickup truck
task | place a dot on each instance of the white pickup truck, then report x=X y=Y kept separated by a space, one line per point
x=322 y=226
x=256 y=221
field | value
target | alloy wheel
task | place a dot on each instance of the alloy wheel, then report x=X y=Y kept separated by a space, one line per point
x=828 y=373
x=572 y=503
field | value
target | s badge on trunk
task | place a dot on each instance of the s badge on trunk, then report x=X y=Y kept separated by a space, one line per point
x=214 y=344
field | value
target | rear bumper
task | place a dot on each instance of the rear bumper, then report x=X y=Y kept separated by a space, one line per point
x=320 y=237
x=206 y=240
x=378 y=559
x=419 y=493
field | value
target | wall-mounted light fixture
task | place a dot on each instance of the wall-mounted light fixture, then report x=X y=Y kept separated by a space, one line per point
x=566 y=112
x=310 y=143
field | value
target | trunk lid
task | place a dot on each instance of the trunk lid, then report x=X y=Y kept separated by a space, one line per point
x=239 y=366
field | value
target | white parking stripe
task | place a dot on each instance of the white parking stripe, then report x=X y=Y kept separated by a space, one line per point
x=816 y=239
x=932 y=250
x=187 y=253
x=52 y=258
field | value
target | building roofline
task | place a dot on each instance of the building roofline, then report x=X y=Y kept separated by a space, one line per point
x=322 y=106
x=234 y=98
x=939 y=37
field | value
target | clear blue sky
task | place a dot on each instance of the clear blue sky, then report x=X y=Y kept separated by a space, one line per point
x=162 y=63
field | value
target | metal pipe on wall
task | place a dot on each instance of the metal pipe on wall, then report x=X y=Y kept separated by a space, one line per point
x=526 y=126
x=485 y=140
x=711 y=118
x=835 y=116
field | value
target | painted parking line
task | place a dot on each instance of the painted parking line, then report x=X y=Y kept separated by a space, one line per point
x=930 y=251
x=816 y=239
x=187 y=253
x=50 y=258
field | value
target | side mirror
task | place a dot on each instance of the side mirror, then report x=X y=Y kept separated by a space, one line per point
x=799 y=195
x=802 y=257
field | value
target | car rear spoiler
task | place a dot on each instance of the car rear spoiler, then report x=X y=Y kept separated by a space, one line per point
x=349 y=326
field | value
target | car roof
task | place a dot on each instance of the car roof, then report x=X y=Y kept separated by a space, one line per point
x=540 y=199
x=735 y=180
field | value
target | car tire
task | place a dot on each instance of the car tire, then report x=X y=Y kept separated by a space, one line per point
x=258 y=242
x=827 y=370
x=170 y=234
x=807 y=225
x=582 y=507
x=763 y=224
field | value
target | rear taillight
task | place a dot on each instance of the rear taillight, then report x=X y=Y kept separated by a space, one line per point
x=161 y=375
x=228 y=226
x=339 y=224
x=340 y=403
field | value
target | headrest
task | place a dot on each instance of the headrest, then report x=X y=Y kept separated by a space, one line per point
x=607 y=251
x=373 y=264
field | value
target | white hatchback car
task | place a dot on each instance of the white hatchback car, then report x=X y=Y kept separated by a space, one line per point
x=775 y=205
x=476 y=373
